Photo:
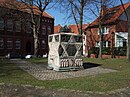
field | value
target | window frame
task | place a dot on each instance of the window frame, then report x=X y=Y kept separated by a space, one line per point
x=2 y=23
x=104 y=30
x=17 y=26
x=9 y=44
x=9 y=25
x=49 y=29
x=28 y=28
x=17 y=44
x=43 y=44
x=43 y=30
x=1 y=43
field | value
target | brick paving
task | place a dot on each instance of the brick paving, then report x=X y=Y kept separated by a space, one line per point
x=42 y=73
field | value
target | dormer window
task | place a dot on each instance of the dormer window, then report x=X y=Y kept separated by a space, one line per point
x=104 y=30
x=1 y=23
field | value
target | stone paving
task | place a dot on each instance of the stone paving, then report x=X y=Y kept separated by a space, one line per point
x=42 y=73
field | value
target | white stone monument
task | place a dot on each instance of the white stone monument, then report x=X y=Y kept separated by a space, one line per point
x=65 y=51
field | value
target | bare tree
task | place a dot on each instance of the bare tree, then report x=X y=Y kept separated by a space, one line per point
x=40 y=6
x=75 y=9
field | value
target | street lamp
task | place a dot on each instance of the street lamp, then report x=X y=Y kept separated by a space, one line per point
x=113 y=35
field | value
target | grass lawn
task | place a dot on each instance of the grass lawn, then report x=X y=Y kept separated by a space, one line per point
x=10 y=73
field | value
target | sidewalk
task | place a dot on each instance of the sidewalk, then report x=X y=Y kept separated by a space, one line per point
x=42 y=73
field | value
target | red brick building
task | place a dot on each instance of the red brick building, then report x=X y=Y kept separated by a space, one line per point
x=115 y=21
x=15 y=29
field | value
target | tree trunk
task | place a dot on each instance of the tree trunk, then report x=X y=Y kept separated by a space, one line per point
x=81 y=17
x=100 y=42
x=128 y=46
x=35 y=35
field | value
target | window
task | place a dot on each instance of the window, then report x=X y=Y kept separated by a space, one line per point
x=17 y=44
x=43 y=30
x=49 y=30
x=9 y=44
x=50 y=38
x=104 y=30
x=109 y=43
x=50 y=21
x=124 y=42
x=1 y=24
x=17 y=26
x=28 y=27
x=57 y=38
x=43 y=44
x=106 y=44
x=97 y=44
x=9 y=25
x=1 y=44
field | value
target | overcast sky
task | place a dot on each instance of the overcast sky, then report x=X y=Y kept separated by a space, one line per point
x=60 y=17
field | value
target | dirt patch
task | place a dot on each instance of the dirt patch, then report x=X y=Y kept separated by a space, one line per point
x=10 y=90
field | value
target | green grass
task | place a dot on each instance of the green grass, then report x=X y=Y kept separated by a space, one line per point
x=118 y=64
x=38 y=60
x=10 y=73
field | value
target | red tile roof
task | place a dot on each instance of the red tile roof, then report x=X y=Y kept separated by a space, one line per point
x=74 y=28
x=112 y=15
x=13 y=4
x=57 y=28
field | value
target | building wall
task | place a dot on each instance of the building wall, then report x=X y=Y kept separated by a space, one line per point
x=92 y=37
x=26 y=39
x=122 y=26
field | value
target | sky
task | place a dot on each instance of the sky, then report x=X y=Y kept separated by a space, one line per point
x=60 y=17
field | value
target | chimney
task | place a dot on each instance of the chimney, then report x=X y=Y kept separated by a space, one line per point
x=103 y=10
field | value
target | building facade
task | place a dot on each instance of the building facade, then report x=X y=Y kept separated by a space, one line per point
x=16 y=35
x=114 y=28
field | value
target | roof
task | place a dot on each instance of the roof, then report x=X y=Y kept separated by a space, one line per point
x=111 y=15
x=74 y=28
x=13 y=4
x=57 y=28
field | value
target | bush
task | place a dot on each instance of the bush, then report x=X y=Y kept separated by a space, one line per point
x=118 y=51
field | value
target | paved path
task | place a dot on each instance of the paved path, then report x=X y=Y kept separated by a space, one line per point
x=42 y=73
